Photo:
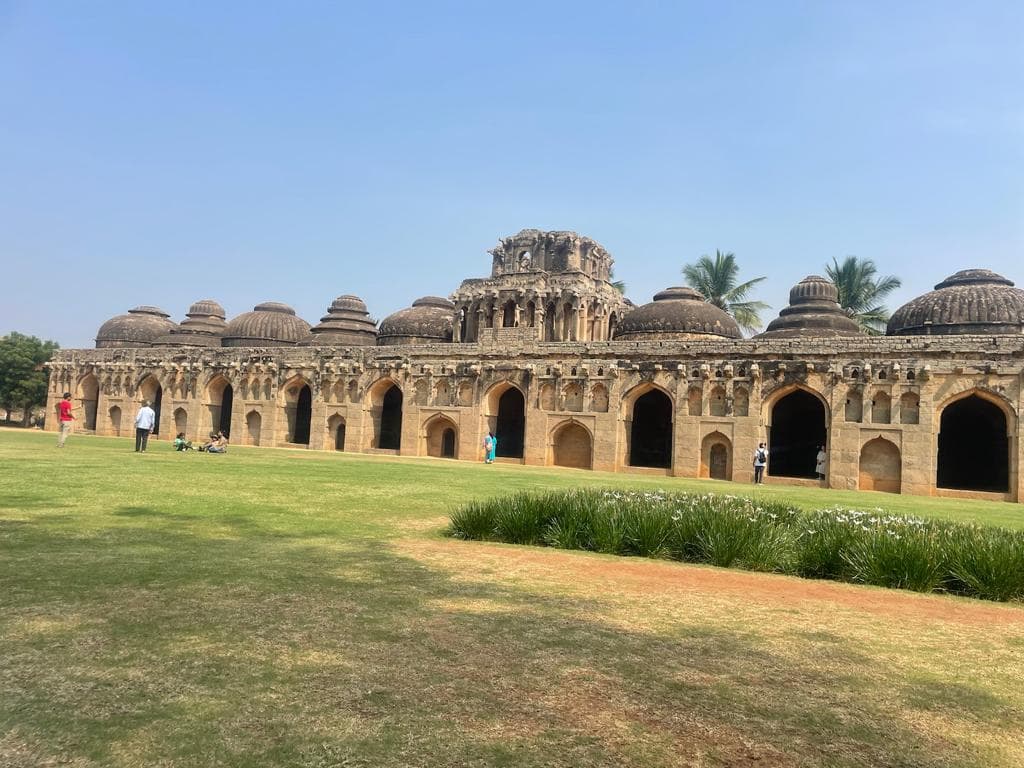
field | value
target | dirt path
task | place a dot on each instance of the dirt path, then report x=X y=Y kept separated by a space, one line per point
x=644 y=578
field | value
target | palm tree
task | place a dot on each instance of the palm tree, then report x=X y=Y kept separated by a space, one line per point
x=861 y=292
x=716 y=279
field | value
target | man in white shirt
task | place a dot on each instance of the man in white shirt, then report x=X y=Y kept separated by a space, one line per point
x=145 y=420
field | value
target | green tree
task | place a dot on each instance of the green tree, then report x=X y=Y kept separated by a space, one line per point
x=861 y=291
x=22 y=376
x=717 y=279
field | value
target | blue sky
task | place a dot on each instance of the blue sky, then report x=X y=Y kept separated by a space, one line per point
x=162 y=153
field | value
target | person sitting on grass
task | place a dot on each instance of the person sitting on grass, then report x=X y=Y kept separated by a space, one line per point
x=181 y=444
x=219 y=443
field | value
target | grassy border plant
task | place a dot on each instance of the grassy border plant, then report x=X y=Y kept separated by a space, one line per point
x=868 y=547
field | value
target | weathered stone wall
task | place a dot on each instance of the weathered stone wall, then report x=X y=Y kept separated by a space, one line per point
x=722 y=393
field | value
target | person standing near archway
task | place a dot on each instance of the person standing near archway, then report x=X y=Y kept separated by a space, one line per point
x=65 y=417
x=760 y=461
x=145 y=420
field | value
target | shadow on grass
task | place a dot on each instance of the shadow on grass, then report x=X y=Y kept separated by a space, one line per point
x=27 y=501
x=175 y=643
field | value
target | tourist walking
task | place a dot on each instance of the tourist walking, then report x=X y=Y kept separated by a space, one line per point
x=494 y=447
x=819 y=463
x=489 y=448
x=145 y=421
x=65 y=417
x=760 y=461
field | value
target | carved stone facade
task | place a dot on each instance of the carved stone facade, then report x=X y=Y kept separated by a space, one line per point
x=921 y=414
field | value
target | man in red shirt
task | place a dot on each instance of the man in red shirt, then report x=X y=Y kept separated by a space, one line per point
x=65 y=417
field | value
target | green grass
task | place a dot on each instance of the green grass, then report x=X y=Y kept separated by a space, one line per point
x=303 y=609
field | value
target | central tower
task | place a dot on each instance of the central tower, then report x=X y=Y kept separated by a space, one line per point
x=554 y=286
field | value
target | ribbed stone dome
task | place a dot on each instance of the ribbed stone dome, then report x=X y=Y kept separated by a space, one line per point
x=813 y=311
x=139 y=328
x=970 y=301
x=270 y=324
x=427 y=321
x=677 y=313
x=346 y=323
x=202 y=327
x=207 y=308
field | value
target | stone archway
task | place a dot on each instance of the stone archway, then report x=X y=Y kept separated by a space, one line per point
x=298 y=409
x=716 y=457
x=441 y=438
x=336 y=432
x=253 y=426
x=180 y=421
x=508 y=314
x=650 y=430
x=220 y=396
x=880 y=466
x=572 y=446
x=149 y=389
x=974 y=448
x=798 y=427
x=510 y=424
x=89 y=396
x=385 y=401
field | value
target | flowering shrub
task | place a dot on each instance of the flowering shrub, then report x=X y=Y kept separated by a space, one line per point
x=869 y=547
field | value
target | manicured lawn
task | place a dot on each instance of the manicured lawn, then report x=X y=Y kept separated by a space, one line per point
x=302 y=609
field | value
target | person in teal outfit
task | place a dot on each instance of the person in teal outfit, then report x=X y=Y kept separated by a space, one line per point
x=494 y=447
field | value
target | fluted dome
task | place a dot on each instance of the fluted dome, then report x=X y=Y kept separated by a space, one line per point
x=676 y=313
x=427 y=321
x=270 y=324
x=347 y=322
x=813 y=311
x=971 y=301
x=202 y=327
x=139 y=328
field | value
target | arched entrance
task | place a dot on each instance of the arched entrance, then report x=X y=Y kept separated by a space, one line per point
x=510 y=426
x=650 y=433
x=150 y=389
x=220 y=396
x=440 y=436
x=508 y=314
x=180 y=421
x=336 y=432
x=226 y=402
x=797 y=428
x=549 y=323
x=716 y=457
x=299 y=410
x=974 y=451
x=389 y=434
x=253 y=424
x=572 y=447
x=880 y=468
x=89 y=394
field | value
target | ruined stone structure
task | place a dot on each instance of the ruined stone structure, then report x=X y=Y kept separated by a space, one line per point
x=547 y=354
